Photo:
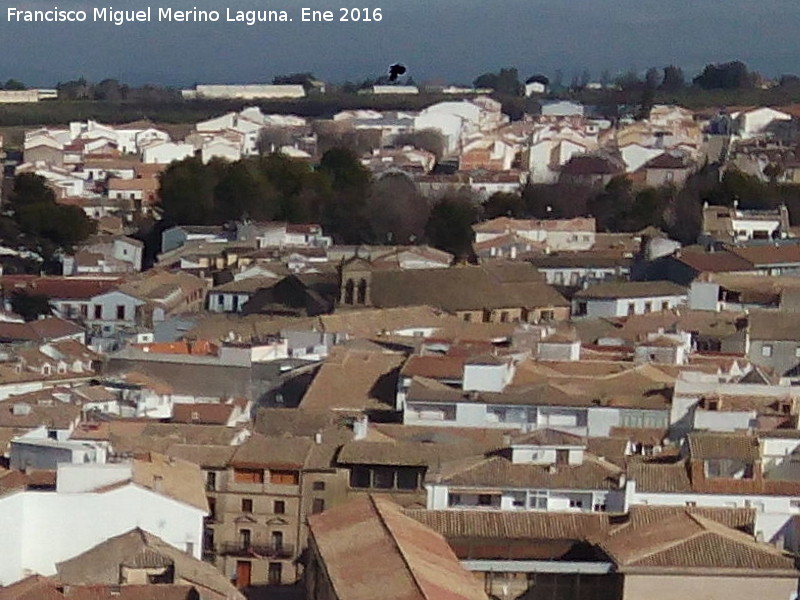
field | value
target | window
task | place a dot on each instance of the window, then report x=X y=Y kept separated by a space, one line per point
x=648 y=307
x=453 y=499
x=407 y=479
x=547 y=315
x=467 y=317
x=538 y=500
x=484 y=500
x=518 y=499
x=665 y=305
x=581 y=309
x=573 y=503
x=360 y=477
x=220 y=300
x=84 y=310
x=211 y=481
x=244 y=538
x=766 y=350
x=247 y=505
x=797 y=352
x=248 y=476
x=317 y=506
x=275 y=575
x=279 y=507
x=691 y=504
x=631 y=308
x=120 y=312
x=283 y=477
x=504 y=316
x=277 y=539
x=383 y=478
x=318 y=486
x=98 y=311
x=190 y=548
x=52 y=434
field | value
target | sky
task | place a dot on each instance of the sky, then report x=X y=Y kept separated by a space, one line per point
x=447 y=40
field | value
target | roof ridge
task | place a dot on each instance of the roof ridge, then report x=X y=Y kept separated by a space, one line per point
x=397 y=545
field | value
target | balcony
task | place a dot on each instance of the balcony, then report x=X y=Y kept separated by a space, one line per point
x=254 y=549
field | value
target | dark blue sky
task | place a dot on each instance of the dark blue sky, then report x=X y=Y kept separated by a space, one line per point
x=454 y=40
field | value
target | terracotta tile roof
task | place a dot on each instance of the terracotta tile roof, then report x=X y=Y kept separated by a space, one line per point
x=272 y=452
x=592 y=474
x=101 y=565
x=33 y=587
x=664 y=478
x=410 y=454
x=688 y=542
x=57 y=414
x=161 y=591
x=714 y=262
x=176 y=478
x=773 y=326
x=488 y=286
x=293 y=421
x=611 y=449
x=507 y=224
x=632 y=289
x=769 y=254
x=435 y=367
x=355 y=380
x=149 y=184
x=735 y=518
x=548 y=437
x=398 y=557
x=67 y=288
x=128 y=436
x=203 y=456
x=41 y=330
x=205 y=413
x=711 y=446
x=507 y=525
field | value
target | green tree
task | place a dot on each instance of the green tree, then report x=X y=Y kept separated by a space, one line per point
x=449 y=227
x=244 y=191
x=13 y=84
x=344 y=212
x=186 y=190
x=504 y=204
x=506 y=81
x=673 y=79
x=50 y=225
x=725 y=76
x=396 y=211
x=30 y=306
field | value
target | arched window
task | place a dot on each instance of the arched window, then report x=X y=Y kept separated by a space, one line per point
x=362 y=291
x=348 y=291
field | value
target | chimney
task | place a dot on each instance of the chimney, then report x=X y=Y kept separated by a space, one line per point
x=360 y=428
x=318 y=437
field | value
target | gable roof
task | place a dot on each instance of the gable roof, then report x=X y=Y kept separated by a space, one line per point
x=714 y=446
x=631 y=289
x=355 y=380
x=507 y=525
x=495 y=285
x=687 y=542
x=138 y=548
x=592 y=474
x=398 y=558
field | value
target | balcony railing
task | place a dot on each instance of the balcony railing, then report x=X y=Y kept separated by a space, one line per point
x=272 y=550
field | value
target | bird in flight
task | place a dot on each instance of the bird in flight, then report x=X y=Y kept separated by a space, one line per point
x=395 y=71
